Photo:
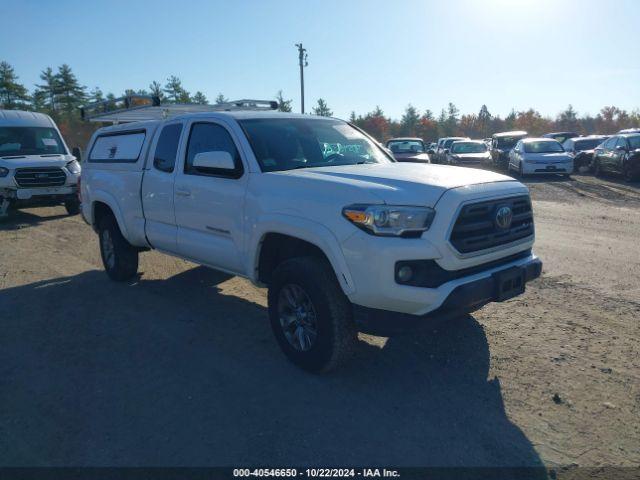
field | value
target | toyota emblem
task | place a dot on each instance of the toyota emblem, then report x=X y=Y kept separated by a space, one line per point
x=504 y=215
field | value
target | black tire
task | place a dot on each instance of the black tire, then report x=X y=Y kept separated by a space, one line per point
x=597 y=169
x=123 y=264
x=7 y=215
x=72 y=206
x=627 y=175
x=332 y=315
x=521 y=171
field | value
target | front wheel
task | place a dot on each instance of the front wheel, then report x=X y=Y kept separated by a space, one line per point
x=627 y=173
x=119 y=257
x=310 y=316
x=597 y=169
x=72 y=206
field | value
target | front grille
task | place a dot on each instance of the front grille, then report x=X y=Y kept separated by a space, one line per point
x=40 y=177
x=476 y=229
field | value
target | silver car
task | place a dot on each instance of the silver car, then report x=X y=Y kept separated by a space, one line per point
x=540 y=156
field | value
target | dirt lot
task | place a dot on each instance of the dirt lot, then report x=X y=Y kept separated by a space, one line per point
x=180 y=368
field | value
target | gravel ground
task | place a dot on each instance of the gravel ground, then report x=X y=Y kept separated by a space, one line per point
x=180 y=368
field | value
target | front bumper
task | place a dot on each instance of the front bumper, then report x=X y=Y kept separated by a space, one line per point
x=546 y=168
x=463 y=299
x=24 y=197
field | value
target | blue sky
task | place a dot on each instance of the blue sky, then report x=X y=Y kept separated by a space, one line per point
x=508 y=54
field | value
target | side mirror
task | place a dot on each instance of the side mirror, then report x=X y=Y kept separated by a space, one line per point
x=621 y=148
x=430 y=151
x=446 y=151
x=218 y=160
x=77 y=152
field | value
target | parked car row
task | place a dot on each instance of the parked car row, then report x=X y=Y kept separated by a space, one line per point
x=516 y=151
x=619 y=154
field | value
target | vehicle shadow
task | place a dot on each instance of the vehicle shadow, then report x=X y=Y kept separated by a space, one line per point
x=618 y=180
x=176 y=372
x=20 y=219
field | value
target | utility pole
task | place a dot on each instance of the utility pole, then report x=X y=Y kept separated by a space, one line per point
x=302 y=59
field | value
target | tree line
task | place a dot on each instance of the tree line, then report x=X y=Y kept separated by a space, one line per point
x=59 y=93
x=483 y=124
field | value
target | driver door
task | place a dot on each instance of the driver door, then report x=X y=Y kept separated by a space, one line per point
x=209 y=201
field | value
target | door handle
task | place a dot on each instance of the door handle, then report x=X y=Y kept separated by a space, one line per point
x=183 y=193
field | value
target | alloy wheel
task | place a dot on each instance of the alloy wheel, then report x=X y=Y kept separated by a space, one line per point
x=298 y=318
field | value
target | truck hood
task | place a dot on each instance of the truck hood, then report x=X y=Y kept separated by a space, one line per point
x=400 y=183
x=26 y=161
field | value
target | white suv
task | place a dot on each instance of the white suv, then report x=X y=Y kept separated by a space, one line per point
x=36 y=167
x=345 y=239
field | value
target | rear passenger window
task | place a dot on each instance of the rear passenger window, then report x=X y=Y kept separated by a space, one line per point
x=167 y=147
x=120 y=147
x=209 y=137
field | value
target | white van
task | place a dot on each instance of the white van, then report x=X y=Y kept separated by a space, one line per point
x=36 y=167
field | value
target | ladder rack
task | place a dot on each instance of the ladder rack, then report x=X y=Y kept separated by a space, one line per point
x=139 y=108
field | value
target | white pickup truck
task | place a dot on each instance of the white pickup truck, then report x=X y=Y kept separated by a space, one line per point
x=345 y=240
x=36 y=167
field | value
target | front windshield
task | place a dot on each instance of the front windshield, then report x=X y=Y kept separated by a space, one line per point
x=19 y=141
x=468 y=147
x=634 y=142
x=290 y=143
x=406 y=146
x=508 y=142
x=543 y=147
x=588 y=144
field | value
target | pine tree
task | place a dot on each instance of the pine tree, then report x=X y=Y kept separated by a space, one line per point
x=409 y=121
x=283 y=105
x=12 y=93
x=428 y=115
x=111 y=98
x=49 y=89
x=352 y=117
x=322 y=109
x=175 y=91
x=96 y=95
x=200 y=98
x=569 y=119
x=220 y=99
x=484 y=119
x=155 y=89
x=452 y=118
x=70 y=94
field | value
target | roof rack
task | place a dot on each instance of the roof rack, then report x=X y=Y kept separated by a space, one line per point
x=138 y=108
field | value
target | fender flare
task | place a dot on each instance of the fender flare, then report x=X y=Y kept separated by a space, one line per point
x=304 y=229
x=108 y=199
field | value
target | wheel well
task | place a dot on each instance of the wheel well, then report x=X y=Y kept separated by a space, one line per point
x=276 y=248
x=100 y=210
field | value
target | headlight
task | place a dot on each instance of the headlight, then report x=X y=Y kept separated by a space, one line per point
x=4 y=172
x=73 y=166
x=388 y=220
